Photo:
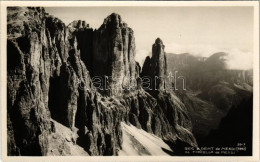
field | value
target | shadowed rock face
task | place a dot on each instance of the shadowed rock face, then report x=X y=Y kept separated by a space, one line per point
x=81 y=31
x=48 y=79
x=236 y=127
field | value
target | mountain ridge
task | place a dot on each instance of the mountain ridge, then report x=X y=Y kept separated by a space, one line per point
x=50 y=80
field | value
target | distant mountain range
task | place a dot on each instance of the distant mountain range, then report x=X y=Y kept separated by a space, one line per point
x=212 y=88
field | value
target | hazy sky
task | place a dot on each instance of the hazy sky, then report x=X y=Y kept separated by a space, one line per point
x=197 y=30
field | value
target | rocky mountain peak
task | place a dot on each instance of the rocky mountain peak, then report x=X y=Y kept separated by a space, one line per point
x=156 y=66
x=113 y=54
x=113 y=21
x=114 y=17
x=78 y=24
x=158 y=49
x=158 y=41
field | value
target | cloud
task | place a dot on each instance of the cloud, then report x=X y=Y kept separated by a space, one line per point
x=194 y=49
x=236 y=59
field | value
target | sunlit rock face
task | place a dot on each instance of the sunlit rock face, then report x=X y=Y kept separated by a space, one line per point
x=113 y=54
x=28 y=71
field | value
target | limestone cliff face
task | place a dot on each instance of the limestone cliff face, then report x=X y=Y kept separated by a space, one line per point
x=27 y=81
x=49 y=66
x=113 y=54
x=47 y=79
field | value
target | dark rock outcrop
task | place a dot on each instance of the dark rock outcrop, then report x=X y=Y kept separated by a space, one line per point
x=235 y=128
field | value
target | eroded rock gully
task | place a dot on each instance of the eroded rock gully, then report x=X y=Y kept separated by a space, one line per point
x=49 y=68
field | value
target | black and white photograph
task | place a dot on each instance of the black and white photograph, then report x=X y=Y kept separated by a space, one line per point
x=130 y=80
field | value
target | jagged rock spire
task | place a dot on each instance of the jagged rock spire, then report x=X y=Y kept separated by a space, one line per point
x=159 y=58
x=156 y=66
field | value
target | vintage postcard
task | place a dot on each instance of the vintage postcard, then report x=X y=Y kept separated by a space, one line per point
x=130 y=81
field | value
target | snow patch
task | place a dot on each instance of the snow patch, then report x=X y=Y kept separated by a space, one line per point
x=139 y=142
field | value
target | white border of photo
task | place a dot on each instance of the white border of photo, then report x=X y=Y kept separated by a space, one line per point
x=3 y=76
